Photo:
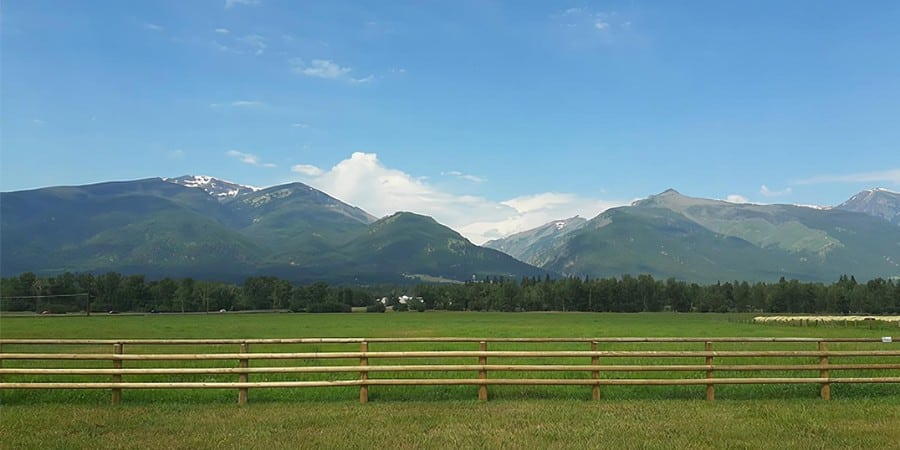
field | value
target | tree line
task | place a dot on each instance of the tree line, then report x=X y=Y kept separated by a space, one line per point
x=117 y=292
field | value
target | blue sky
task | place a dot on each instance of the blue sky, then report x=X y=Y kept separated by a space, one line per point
x=493 y=117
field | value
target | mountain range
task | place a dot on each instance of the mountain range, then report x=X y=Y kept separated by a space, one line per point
x=209 y=228
x=672 y=235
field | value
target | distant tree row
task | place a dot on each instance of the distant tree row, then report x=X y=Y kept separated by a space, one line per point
x=644 y=293
x=116 y=292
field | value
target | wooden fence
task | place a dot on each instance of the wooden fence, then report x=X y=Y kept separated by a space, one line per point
x=599 y=362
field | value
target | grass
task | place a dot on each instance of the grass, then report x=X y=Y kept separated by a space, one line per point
x=503 y=424
x=426 y=417
x=483 y=324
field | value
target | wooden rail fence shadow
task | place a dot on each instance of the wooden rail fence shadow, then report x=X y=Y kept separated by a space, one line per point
x=25 y=363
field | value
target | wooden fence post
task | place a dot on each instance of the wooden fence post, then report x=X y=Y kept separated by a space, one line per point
x=710 y=388
x=825 y=391
x=595 y=375
x=482 y=374
x=243 y=377
x=363 y=375
x=118 y=349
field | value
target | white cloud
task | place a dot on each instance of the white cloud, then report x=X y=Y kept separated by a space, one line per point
x=248 y=158
x=531 y=211
x=735 y=198
x=222 y=47
x=362 y=180
x=247 y=104
x=238 y=104
x=177 y=154
x=363 y=79
x=586 y=26
x=464 y=176
x=764 y=190
x=321 y=68
x=308 y=170
x=300 y=125
x=883 y=176
x=38 y=122
x=253 y=43
x=153 y=27
x=231 y=3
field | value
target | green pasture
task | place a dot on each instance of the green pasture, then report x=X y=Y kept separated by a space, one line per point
x=441 y=416
x=432 y=323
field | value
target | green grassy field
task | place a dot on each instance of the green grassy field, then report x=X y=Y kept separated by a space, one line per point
x=427 y=417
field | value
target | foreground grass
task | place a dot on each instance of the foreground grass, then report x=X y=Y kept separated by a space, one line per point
x=539 y=417
x=866 y=423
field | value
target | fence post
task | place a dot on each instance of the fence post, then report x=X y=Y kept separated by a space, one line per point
x=710 y=388
x=363 y=375
x=482 y=374
x=243 y=363
x=118 y=349
x=595 y=375
x=825 y=391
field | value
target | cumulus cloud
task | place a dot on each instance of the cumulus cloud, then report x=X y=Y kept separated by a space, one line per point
x=764 y=190
x=306 y=169
x=735 y=198
x=363 y=180
x=248 y=158
x=882 y=176
x=530 y=211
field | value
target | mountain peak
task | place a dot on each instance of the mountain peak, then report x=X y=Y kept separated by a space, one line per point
x=215 y=187
x=670 y=198
x=878 y=202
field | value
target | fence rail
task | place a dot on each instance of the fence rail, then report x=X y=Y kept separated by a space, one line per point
x=22 y=366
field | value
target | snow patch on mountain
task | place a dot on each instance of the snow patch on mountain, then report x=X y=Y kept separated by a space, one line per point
x=818 y=207
x=215 y=187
